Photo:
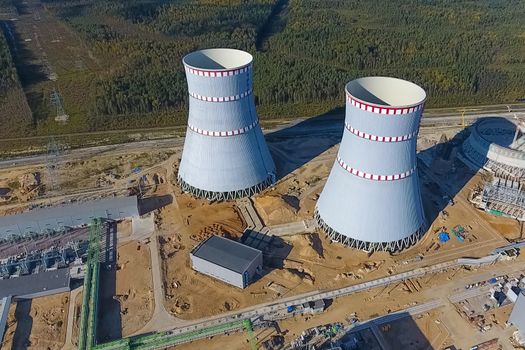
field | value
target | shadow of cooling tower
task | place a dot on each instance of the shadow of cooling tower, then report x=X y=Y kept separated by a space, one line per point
x=309 y=139
x=393 y=331
x=443 y=161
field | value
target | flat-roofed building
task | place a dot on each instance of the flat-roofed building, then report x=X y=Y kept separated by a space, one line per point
x=57 y=218
x=227 y=260
x=36 y=285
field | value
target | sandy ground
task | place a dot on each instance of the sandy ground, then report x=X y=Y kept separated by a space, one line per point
x=76 y=321
x=295 y=265
x=99 y=172
x=435 y=329
x=188 y=294
x=304 y=263
x=126 y=295
x=38 y=323
x=294 y=198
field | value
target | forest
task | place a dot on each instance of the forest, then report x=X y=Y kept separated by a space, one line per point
x=8 y=76
x=462 y=52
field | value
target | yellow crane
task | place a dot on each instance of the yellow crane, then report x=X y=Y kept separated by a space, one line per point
x=463 y=125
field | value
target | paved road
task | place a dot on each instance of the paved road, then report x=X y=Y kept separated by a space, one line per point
x=83 y=153
x=160 y=316
x=328 y=125
x=68 y=345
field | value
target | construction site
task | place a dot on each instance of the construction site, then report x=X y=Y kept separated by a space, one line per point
x=97 y=244
x=299 y=259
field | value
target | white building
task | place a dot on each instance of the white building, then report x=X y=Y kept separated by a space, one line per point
x=227 y=260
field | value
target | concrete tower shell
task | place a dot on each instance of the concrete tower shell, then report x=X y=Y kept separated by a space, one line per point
x=225 y=155
x=372 y=200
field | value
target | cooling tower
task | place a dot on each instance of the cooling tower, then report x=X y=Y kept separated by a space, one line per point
x=225 y=155
x=372 y=200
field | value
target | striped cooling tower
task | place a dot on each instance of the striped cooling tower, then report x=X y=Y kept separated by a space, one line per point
x=225 y=155
x=372 y=200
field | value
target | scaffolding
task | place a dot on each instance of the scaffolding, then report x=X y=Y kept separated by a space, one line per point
x=226 y=196
x=505 y=197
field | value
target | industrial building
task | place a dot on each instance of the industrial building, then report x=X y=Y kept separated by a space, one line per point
x=372 y=200
x=225 y=155
x=517 y=316
x=497 y=146
x=227 y=260
x=57 y=218
x=36 y=285
x=52 y=238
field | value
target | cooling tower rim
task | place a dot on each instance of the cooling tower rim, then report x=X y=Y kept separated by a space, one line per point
x=213 y=59
x=391 y=90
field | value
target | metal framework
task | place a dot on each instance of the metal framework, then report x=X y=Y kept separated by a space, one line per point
x=54 y=152
x=58 y=102
x=392 y=247
x=225 y=196
x=505 y=198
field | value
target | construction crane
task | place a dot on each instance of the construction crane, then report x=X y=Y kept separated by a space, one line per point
x=463 y=125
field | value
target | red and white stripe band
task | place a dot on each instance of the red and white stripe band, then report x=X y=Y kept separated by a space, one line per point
x=379 y=138
x=373 y=176
x=222 y=98
x=224 y=133
x=382 y=110
x=217 y=74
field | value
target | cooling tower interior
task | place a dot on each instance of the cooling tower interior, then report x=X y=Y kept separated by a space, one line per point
x=225 y=155
x=372 y=200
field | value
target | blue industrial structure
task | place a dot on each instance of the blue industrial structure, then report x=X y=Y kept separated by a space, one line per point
x=225 y=155
x=372 y=200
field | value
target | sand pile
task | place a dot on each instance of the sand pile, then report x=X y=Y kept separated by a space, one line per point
x=308 y=246
x=277 y=209
x=370 y=266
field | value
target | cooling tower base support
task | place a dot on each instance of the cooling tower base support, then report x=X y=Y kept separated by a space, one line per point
x=392 y=247
x=225 y=196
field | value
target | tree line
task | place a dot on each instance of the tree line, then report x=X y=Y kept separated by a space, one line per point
x=461 y=52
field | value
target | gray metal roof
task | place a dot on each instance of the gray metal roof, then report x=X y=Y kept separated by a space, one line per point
x=517 y=316
x=229 y=254
x=70 y=215
x=42 y=282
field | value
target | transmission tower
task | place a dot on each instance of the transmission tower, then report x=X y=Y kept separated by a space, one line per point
x=54 y=152
x=58 y=102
